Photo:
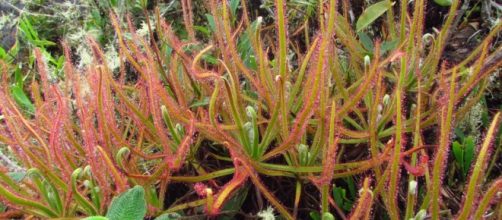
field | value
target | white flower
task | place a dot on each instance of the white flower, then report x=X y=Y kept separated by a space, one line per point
x=267 y=214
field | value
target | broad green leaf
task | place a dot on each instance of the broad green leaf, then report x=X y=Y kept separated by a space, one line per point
x=22 y=99
x=443 y=2
x=458 y=153
x=339 y=194
x=371 y=13
x=199 y=103
x=366 y=41
x=234 y=4
x=351 y=187
x=130 y=205
x=469 y=147
x=210 y=20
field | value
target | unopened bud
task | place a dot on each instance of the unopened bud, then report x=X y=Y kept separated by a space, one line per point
x=367 y=61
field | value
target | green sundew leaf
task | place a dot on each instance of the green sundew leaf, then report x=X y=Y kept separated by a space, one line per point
x=210 y=59
x=199 y=103
x=443 y=2
x=96 y=218
x=130 y=205
x=371 y=13
x=168 y=216
x=469 y=147
x=22 y=99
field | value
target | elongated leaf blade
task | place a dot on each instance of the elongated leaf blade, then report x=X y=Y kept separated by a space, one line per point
x=22 y=99
x=371 y=13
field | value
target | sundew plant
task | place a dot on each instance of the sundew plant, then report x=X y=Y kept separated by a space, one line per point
x=225 y=113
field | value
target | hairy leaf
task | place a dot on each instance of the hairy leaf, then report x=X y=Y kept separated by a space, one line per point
x=130 y=205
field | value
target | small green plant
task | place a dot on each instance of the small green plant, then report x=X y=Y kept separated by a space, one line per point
x=464 y=153
x=129 y=205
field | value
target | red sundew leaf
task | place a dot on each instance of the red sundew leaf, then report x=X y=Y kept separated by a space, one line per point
x=84 y=112
x=489 y=198
x=446 y=119
x=42 y=70
x=55 y=136
x=413 y=170
x=176 y=111
x=186 y=6
x=263 y=189
x=476 y=178
x=364 y=204
x=311 y=97
x=174 y=42
x=183 y=148
x=240 y=176
x=110 y=108
x=120 y=179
